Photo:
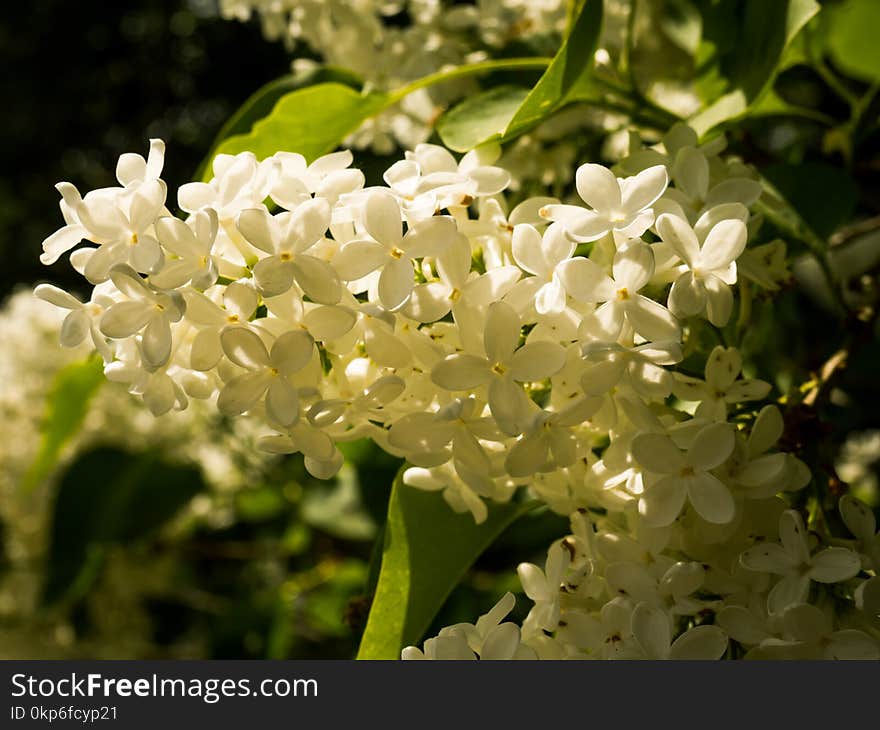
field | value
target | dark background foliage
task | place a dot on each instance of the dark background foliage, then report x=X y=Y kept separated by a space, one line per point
x=86 y=81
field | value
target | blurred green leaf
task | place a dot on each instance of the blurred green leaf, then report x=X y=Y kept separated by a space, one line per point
x=259 y=504
x=569 y=69
x=852 y=38
x=682 y=23
x=109 y=496
x=261 y=103
x=806 y=186
x=506 y=112
x=772 y=105
x=427 y=550
x=747 y=40
x=66 y=406
x=336 y=508
x=311 y=121
x=480 y=118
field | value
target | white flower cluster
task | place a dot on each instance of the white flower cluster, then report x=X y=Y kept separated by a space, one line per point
x=489 y=350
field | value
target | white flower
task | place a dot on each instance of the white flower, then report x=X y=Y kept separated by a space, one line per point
x=502 y=366
x=461 y=487
x=541 y=256
x=328 y=177
x=322 y=458
x=619 y=205
x=672 y=591
x=425 y=436
x=808 y=633
x=490 y=639
x=710 y=254
x=268 y=373
x=860 y=521
x=146 y=311
x=132 y=169
x=612 y=368
x=813 y=628
x=685 y=475
x=120 y=221
x=652 y=633
x=633 y=267
x=239 y=182
x=239 y=302
x=756 y=472
x=543 y=586
x=82 y=319
x=457 y=286
x=721 y=386
x=550 y=441
x=190 y=246
x=694 y=189
x=390 y=250
x=286 y=237
x=791 y=559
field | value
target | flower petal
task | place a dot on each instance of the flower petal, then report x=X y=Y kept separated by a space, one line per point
x=461 y=371
x=725 y=242
x=661 y=503
x=598 y=187
x=676 y=232
x=640 y=191
x=584 y=280
x=292 y=351
x=260 y=229
x=536 y=361
x=687 y=297
x=318 y=279
x=711 y=447
x=650 y=627
x=834 y=564
x=382 y=219
x=244 y=348
x=657 y=453
x=711 y=499
x=501 y=334
x=282 y=402
x=700 y=643
x=242 y=393
x=527 y=251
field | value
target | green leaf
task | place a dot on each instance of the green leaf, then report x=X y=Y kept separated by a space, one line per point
x=480 y=118
x=66 y=406
x=852 y=38
x=312 y=121
x=748 y=39
x=427 y=550
x=260 y=104
x=506 y=112
x=806 y=187
x=109 y=496
x=772 y=105
x=569 y=68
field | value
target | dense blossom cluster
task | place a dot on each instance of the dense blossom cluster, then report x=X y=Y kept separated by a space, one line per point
x=496 y=350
